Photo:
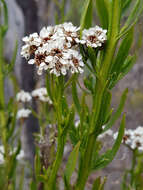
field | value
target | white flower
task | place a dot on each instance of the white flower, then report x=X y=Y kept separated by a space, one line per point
x=109 y=132
x=20 y=156
x=133 y=138
x=93 y=37
x=41 y=94
x=23 y=96
x=23 y=113
x=46 y=33
x=56 y=48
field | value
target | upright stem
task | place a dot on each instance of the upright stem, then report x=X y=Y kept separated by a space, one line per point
x=113 y=31
x=133 y=167
x=60 y=149
x=61 y=137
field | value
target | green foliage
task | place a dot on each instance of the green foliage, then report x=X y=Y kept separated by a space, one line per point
x=106 y=158
x=98 y=185
x=86 y=18
x=106 y=66
x=102 y=12
x=118 y=112
x=133 y=17
x=72 y=161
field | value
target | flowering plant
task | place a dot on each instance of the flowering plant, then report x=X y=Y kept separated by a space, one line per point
x=63 y=52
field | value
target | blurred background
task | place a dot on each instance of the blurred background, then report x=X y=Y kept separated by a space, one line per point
x=28 y=16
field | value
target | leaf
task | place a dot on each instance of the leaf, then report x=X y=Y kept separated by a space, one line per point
x=125 y=5
x=127 y=66
x=5 y=26
x=132 y=18
x=86 y=18
x=106 y=158
x=33 y=185
x=72 y=160
x=98 y=184
x=75 y=96
x=123 y=51
x=106 y=106
x=48 y=86
x=118 y=112
x=10 y=66
x=102 y=12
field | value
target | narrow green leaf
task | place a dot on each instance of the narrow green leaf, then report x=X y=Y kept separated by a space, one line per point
x=48 y=86
x=102 y=12
x=106 y=106
x=86 y=18
x=72 y=161
x=118 y=112
x=125 y=5
x=106 y=158
x=127 y=66
x=123 y=51
x=98 y=184
x=75 y=97
x=4 y=27
x=10 y=66
x=132 y=18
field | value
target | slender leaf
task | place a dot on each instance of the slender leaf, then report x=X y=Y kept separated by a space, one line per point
x=102 y=12
x=10 y=67
x=98 y=184
x=117 y=114
x=133 y=17
x=4 y=27
x=125 y=5
x=123 y=51
x=72 y=161
x=106 y=158
x=86 y=19
x=75 y=97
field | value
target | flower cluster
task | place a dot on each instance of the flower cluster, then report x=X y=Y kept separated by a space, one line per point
x=20 y=156
x=23 y=96
x=133 y=138
x=23 y=113
x=41 y=94
x=56 y=48
x=106 y=133
x=94 y=37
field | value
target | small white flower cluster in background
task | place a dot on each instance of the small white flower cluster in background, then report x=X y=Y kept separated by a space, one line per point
x=94 y=37
x=23 y=113
x=41 y=94
x=56 y=48
x=109 y=132
x=23 y=96
x=20 y=156
x=133 y=138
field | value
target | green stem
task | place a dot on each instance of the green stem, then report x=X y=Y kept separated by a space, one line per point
x=133 y=167
x=113 y=32
x=59 y=90
x=84 y=168
x=60 y=149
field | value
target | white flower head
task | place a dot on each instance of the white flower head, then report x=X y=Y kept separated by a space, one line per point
x=93 y=37
x=109 y=132
x=133 y=138
x=41 y=94
x=23 y=96
x=20 y=156
x=23 y=113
